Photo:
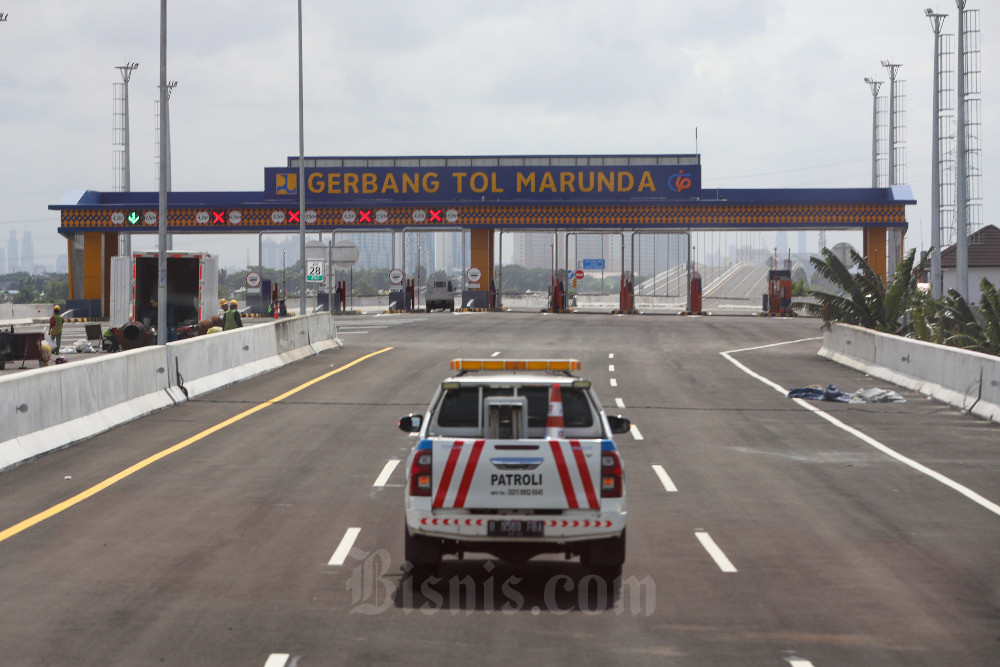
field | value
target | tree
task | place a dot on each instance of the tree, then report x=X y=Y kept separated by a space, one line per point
x=860 y=297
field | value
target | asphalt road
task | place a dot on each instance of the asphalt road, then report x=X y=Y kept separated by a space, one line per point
x=247 y=527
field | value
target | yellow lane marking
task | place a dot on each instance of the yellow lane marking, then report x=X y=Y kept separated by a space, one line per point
x=97 y=488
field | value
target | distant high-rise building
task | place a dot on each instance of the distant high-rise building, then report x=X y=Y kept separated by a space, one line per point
x=533 y=250
x=27 y=253
x=12 y=255
x=448 y=252
x=62 y=264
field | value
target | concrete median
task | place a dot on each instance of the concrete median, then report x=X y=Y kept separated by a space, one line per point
x=50 y=408
x=967 y=380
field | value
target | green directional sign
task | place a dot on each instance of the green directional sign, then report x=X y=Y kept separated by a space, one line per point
x=133 y=218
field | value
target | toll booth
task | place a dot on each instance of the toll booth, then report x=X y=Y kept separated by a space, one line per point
x=778 y=300
x=694 y=295
x=400 y=299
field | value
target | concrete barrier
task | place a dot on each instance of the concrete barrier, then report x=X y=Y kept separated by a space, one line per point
x=55 y=406
x=50 y=408
x=967 y=380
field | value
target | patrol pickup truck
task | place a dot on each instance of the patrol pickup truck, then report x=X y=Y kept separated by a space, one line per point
x=515 y=458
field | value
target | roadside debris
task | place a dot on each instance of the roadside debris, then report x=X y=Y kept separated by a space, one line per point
x=831 y=393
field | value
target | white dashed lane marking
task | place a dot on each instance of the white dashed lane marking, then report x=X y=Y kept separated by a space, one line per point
x=340 y=555
x=665 y=480
x=620 y=403
x=383 y=476
x=715 y=552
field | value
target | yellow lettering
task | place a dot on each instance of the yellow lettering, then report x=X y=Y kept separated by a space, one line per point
x=411 y=183
x=350 y=183
x=548 y=183
x=333 y=183
x=622 y=177
x=566 y=181
x=459 y=176
x=590 y=185
x=430 y=182
x=315 y=182
x=525 y=181
x=390 y=184
x=369 y=183
x=493 y=183
x=478 y=182
x=646 y=182
x=606 y=181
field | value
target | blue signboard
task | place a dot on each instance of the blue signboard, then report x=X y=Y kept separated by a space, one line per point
x=476 y=184
x=592 y=264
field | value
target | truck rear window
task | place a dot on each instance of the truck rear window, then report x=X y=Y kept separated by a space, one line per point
x=460 y=407
x=576 y=407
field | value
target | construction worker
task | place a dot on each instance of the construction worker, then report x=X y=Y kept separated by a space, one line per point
x=232 y=319
x=223 y=305
x=55 y=329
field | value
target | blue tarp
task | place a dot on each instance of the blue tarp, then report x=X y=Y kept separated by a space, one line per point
x=831 y=393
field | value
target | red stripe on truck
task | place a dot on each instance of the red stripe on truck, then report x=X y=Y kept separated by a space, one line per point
x=567 y=483
x=470 y=469
x=581 y=463
x=449 y=470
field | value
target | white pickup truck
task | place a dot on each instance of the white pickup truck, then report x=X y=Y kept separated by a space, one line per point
x=515 y=458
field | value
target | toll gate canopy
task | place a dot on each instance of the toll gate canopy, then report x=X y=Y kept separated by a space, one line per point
x=480 y=193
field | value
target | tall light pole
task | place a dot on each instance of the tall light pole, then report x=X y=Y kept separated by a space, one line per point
x=126 y=176
x=164 y=146
x=937 y=286
x=894 y=238
x=302 y=177
x=161 y=292
x=961 y=186
x=874 y=86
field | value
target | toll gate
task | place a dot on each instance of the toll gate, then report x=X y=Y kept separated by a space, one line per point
x=481 y=194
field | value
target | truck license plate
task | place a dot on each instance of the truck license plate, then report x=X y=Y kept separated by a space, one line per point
x=515 y=528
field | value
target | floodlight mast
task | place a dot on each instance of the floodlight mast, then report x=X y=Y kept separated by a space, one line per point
x=937 y=284
x=125 y=240
x=961 y=186
x=894 y=237
x=874 y=85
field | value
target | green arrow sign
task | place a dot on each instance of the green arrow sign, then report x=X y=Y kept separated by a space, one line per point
x=133 y=217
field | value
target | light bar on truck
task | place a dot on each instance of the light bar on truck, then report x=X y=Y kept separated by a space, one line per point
x=515 y=364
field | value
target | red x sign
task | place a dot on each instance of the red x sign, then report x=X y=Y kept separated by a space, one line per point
x=366 y=216
x=435 y=215
x=218 y=217
x=293 y=216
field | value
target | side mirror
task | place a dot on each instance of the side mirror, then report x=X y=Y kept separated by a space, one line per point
x=410 y=423
x=619 y=424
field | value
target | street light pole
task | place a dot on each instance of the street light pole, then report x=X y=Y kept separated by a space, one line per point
x=302 y=176
x=161 y=293
x=937 y=286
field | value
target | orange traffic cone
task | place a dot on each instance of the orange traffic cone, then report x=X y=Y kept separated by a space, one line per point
x=554 y=424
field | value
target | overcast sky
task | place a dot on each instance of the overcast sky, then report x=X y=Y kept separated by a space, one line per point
x=775 y=89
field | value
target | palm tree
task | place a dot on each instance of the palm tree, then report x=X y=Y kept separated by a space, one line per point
x=861 y=298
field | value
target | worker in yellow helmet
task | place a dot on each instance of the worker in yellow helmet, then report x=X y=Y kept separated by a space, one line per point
x=55 y=329
x=232 y=319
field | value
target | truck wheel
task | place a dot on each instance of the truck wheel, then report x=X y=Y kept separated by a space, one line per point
x=420 y=550
x=605 y=553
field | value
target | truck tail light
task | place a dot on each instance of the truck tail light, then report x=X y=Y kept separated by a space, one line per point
x=420 y=473
x=611 y=475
